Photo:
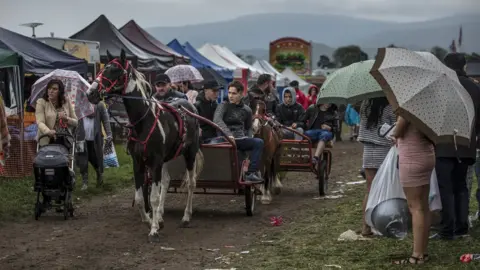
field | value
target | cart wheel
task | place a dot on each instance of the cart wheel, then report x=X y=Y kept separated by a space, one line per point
x=250 y=198
x=38 y=207
x=322 y=175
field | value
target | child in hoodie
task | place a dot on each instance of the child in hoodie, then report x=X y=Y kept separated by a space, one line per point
x=290 y=114
x=299 y=95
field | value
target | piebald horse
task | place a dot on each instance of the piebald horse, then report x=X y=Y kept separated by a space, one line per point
x=263 y=128
x=159 y=133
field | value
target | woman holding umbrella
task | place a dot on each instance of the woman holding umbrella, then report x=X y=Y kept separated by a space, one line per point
x=182 y=76
x=432 y=107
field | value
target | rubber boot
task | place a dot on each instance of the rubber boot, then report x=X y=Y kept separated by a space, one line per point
x=99 y=179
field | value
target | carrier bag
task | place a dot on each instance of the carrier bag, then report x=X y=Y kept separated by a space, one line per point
x=351 y=116
x=110 y=159
x=387 y=206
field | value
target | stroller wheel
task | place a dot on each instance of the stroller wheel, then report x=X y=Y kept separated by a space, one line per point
x=66 y=205
x=38 y=207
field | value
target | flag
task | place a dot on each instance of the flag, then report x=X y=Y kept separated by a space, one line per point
x=460 y=37
x=453 y=47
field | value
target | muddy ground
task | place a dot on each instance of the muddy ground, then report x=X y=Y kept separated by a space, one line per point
x=107 y=232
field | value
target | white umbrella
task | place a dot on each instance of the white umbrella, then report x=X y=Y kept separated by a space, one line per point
x=75 y=90
x=427 y=93
x=183 y=73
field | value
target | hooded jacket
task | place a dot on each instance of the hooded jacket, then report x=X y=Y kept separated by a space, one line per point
x=289 y=114
x=206 y=109
x=270 y=99
x=463 y=152
x=302 y=99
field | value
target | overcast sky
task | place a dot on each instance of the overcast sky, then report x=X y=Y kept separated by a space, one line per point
x=66 y=17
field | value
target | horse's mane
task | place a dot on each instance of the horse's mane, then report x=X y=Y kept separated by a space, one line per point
x=142 y=84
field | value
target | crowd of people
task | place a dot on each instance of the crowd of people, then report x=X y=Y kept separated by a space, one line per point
x=418 y=155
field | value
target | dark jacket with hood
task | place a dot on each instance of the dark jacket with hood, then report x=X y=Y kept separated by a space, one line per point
x=314 y=118
x=170 y=95
x=270 y=99
x=289 y=114
x=468 y=154
x=234 y=119
x=206 y=109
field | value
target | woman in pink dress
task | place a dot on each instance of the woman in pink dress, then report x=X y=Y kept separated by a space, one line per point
x=416 y=160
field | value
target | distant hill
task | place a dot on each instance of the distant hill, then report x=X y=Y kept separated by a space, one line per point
x=252 y=34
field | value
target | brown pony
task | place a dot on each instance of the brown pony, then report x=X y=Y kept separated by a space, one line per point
x=265 y=129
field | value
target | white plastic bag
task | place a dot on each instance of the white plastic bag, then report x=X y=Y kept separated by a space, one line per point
x=386 y=185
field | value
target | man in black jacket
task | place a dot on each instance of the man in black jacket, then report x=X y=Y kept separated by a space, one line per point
x=290 y=114
x=452 y=165
x=235 y=119
x=163 y=89
x=263 y=91
x=320 y=121
x=206 y=105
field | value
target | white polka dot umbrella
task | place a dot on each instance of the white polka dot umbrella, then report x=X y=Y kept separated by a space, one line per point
x=183 y=73
x=427 y=93
x=350 y=84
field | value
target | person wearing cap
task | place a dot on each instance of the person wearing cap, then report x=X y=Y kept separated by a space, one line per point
x=206 y=104
x=452 y=164
x=300 y=96
x=263 y=91
x=163 y=90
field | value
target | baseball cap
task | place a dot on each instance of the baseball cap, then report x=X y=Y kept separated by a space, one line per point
x=162 y=78
x=212 y=85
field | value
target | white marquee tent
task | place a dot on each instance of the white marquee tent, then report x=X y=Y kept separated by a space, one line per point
x=267 y=68
x=292 y=76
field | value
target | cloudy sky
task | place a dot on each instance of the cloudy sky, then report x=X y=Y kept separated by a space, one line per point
x=66 y=17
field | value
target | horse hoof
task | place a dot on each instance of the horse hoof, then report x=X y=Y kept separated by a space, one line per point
x=277 y=190
x=154 y=238
x=185 y=224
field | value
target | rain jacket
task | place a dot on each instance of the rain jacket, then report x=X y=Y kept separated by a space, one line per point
x=234 y=119
x=468 y=154
x=289 y=114
x=301 y=98
x=206 y=109
x=314 y=118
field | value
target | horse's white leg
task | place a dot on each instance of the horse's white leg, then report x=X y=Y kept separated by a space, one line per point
x=266 y=196
x=157 y=200
x=140 y=203
x=190 y=179
x=165 y=184
x=278 y=183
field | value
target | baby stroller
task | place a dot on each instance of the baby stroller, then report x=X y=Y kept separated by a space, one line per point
x=54 y=173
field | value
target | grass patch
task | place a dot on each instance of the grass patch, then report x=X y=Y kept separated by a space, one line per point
x=17 y=199
x=309 y=241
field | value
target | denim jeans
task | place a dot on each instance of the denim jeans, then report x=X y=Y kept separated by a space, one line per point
x=287 y=134
x=252 y=145
x=451 y=176
x=319 y=135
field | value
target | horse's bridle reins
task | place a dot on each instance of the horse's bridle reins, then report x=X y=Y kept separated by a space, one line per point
x=104 y=91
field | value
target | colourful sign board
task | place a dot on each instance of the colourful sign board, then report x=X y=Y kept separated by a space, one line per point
x=77 y=49
x=291 y=52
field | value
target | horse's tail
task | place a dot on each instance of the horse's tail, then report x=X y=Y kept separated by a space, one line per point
x=199 y=162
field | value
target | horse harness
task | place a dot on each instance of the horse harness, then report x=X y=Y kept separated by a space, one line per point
x=179 y=114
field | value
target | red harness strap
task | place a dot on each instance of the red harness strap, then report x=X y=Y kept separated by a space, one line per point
x=181 y=130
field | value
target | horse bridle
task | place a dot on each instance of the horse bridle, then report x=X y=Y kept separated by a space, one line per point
x=116 y=84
